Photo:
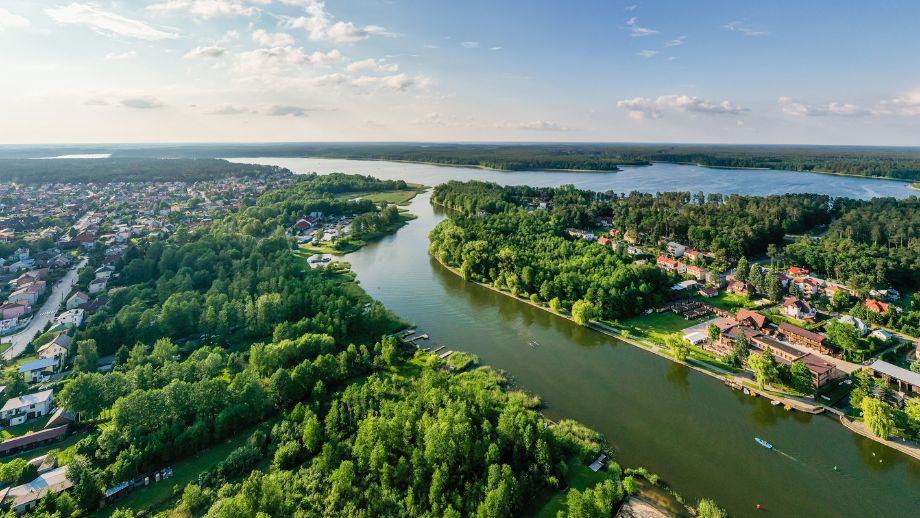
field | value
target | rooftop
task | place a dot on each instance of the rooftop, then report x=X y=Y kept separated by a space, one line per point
x=896 y=372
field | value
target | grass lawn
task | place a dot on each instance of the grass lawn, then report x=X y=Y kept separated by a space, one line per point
x=22 y=429
x=656 y=326
x=398 y=197
x=185 y=472
x=580 y=477
x=728 y=301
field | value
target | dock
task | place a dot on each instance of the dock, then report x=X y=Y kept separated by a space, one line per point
x=419 y=337
x=445 y=355
x=438 y=349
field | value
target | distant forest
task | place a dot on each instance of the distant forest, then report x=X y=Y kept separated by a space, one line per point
x=79 y=170
x=884 y=162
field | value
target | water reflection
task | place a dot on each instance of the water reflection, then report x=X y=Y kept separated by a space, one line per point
x=679 y=376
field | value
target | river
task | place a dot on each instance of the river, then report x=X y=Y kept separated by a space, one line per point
x=685 y=426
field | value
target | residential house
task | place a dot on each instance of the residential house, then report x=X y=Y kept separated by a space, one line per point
x=708 y=292
x=77 y=299
x=676 y=249
x=667 y=264
x=72 y=317
x=20 y=409
x=876 y=306
x=752 y=319
x=603 y=241
x=36 y=371
x=821 y=370
x=810 y=339
x=906 y=381
x=51 y=433
x=855 y=322
x=13 y=309
x=808 y=286
x=743 y=289
x=27 y=296
x=105 y=272
x=831 y=289
x=57 y=348
x=881 y=335
x=694 y=256
x=97 y=286
x=8 y=324
x=24 y=498
x=696 y=272
x=794 y=307
x=87 y=239
x=795 y=270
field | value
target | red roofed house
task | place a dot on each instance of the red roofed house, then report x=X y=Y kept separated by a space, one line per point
x=603 y=241
x=876 y=306
x=795 y=307
x=696 y=272
x=795 y=270
x=750 y=318
x=666 y=263
x=745 y=289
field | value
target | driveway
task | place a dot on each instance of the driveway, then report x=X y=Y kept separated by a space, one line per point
x=44 y=314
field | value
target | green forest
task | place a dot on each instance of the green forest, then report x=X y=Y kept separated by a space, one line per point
x=116 y=169
x=729 y=226
x=883 y=162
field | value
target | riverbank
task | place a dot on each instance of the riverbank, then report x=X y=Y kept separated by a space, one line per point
x=743 y=380
x=697 y=164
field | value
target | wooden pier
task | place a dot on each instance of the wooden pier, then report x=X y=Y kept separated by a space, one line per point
x=445 y=355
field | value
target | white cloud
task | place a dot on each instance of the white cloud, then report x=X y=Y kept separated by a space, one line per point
x=676 y=42
x=229 y=110
x=742 y=28
x=470 y=44
x=907 y=104
x=286 y=111
x=793 y=107
x=206 y=8
x=212 y=52
x=631 y=7
x=334 y=79
x=231 y=35
x=372 y=65
x=116 y=56
x=9 y=20
x=107 y=23
x=142 y=103
x=319 y=26
x=272 y=39
x=537 y=125
x=648 y=108
x=396 y=83
x=276 y=58
x=647 y=53
x=632 y=20
x=494 y=48
x=639 y=32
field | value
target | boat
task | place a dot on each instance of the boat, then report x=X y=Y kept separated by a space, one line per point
x=745 y=390
x=776 y=402
x=763 y=443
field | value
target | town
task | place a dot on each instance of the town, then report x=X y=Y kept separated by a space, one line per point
x=61 y=245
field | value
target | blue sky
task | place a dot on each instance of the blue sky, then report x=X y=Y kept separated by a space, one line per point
x=267 y=70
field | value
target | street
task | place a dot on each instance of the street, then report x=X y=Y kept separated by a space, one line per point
x=44 y=315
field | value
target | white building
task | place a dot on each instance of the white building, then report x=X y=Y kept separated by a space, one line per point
x=29 y=406
x=676 y=249
x=97 y=286
x=25 y=497
x=72 y=317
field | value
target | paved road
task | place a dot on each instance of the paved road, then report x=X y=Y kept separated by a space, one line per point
x=44 y=315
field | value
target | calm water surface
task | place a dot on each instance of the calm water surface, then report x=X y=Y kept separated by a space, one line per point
x=683 y=425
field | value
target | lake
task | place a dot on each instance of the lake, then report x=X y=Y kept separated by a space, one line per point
x=687 y=427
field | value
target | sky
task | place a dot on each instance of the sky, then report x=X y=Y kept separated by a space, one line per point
x=778 y=72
